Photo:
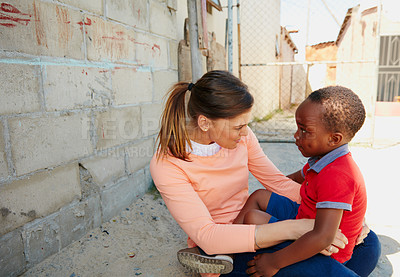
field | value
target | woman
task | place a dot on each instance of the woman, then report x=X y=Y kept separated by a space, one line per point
x=201 y=170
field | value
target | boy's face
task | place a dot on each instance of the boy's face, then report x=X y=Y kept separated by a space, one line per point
x=312 y=138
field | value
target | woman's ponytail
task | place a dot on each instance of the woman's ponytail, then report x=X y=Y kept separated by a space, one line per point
x=173 y=135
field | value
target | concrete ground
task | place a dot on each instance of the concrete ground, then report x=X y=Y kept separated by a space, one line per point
x=144 y=238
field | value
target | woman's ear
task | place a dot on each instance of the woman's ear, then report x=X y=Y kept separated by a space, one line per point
x=203 y=122
x=335 y=139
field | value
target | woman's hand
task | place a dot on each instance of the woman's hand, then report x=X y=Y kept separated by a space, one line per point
x=341 y=241
x=338 y=243
x=364 y=233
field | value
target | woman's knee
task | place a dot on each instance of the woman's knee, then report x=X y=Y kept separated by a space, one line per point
x=365 y=255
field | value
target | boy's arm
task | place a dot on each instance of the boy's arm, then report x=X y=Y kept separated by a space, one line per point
x=326 y=224
x=297 y=177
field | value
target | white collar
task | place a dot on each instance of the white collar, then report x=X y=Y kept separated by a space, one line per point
x=203 y=150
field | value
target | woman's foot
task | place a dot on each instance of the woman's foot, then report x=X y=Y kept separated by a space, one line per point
x=198 y=261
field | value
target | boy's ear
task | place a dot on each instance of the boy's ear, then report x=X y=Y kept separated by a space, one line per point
x=335 y=139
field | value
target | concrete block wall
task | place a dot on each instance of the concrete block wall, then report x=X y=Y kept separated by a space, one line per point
x=81 y=86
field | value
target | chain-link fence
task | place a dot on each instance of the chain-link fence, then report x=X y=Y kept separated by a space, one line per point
x=291 y=47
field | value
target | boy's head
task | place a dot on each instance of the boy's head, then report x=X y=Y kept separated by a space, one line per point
x=327 y=119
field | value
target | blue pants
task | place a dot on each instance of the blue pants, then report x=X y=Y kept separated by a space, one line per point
x=362 y=263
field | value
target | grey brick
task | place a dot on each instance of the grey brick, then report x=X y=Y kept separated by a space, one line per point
x=12 y=258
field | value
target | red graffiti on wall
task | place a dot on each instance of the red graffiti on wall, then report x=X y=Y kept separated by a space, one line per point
x=112 y=37
x=155 y=46
x=10 y=16
x=86 y=22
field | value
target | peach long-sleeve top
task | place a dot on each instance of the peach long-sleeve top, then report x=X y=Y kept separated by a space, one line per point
x=206 y=194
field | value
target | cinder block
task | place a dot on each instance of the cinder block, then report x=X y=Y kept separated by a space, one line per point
x=19 y=88
x=75 y=221
x=139 y=155
x=163 y=81
x=41 y=240
x=107 y=41
x=140 y=180
x=37 y=196
x=3 y=159
x=162 y=20
x=73 y=87
x=118 y=126
x=107 y=166
x=41 y=28
x=148 y=179
x=91 y=6
x=42 y=142
x=12 y=258
x=134 y=13
x=131 y=86
x=151 y=50
x=151 y=114
x=173 y=55
x=123 y=194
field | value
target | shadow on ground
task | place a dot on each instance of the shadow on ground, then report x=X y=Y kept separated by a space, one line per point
x=389 y=247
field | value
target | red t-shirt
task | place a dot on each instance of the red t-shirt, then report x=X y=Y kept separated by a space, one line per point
x=338 y=185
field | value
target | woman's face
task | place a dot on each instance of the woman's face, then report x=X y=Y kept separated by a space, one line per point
x=228 y=132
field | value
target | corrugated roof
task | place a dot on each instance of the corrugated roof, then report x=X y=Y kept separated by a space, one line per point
x=345 y=22
x=289 y=40
x=323 y=44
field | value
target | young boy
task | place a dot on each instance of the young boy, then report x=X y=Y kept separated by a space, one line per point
x=333 y=190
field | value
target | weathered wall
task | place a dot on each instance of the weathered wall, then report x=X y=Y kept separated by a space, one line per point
x=81 y=86
x=359 y=43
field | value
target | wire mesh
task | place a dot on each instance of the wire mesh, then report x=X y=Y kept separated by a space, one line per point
x=290 y=48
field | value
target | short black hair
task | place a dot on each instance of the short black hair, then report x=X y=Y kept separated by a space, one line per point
x=344 y=111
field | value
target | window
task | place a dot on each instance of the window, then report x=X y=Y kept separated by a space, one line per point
x=215 y=3
x=389 y=69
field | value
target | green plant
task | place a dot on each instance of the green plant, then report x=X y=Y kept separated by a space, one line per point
x=267 y=116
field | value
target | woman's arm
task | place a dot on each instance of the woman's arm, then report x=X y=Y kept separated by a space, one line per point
x=267 y=173
x=273 y=233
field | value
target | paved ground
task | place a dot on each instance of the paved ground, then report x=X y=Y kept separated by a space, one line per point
x=143 y=239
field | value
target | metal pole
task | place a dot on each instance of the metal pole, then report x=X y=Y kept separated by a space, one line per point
x=239 y=42
x=374 y=99
x=308 y=21
x=307 y=75
x=330 y=11
x=195 y=54
x=230 y=40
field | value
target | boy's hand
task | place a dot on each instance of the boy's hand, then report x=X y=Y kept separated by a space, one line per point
x=262 y=265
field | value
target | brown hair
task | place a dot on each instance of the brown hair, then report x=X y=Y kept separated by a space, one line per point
x=218 y=94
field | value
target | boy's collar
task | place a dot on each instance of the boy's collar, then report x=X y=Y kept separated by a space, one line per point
x=327 y=158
